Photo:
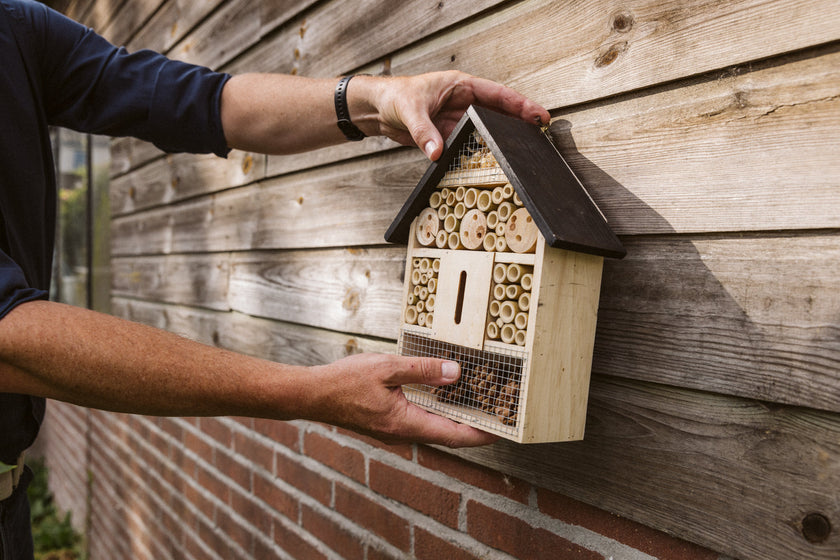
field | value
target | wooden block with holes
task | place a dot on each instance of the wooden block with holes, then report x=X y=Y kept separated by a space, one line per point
x=503 y=275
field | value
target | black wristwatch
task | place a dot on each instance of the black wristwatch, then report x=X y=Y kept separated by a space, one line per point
x=342 y=113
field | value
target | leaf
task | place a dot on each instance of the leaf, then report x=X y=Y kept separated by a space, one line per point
x=4 y=468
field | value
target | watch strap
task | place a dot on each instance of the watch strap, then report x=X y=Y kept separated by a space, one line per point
x=342 y=113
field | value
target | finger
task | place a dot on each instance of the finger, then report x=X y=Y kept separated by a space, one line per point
x=431 y=428
x=428 y=371
x=424 y=133
x=506 y=100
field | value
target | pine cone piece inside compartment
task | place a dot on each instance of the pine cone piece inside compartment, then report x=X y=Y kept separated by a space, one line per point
x=486 y=390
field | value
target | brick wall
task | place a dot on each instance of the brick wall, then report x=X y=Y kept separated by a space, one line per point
x=228 y=488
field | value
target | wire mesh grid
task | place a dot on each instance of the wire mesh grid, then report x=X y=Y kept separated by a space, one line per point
x=474 y=165
x=488 y=392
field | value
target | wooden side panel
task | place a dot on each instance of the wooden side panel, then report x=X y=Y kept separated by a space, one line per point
x=567 y=285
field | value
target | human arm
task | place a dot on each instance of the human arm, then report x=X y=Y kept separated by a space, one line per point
x=67 y=353
x=276 y=113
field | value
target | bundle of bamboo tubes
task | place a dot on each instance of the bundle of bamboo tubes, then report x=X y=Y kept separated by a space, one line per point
x=511 y=300
x=481 y=217
x=484 y=388
x=420 y=303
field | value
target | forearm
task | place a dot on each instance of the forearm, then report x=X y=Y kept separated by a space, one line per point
x=280 y=114
x=91 y=359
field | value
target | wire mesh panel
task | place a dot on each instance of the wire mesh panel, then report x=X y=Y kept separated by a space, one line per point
x=488 y=392
x=475 y=165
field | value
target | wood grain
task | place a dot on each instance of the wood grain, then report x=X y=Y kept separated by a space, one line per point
x=288 y=343
x=735 y=475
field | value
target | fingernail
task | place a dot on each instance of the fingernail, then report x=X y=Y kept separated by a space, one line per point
x=449 y=371
x=430 y=148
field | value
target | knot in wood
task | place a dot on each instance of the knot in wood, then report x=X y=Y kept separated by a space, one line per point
x=816 y=527
x=611 y=54
x=623 y=22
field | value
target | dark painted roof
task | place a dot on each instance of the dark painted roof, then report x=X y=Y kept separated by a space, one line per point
x=560 y=206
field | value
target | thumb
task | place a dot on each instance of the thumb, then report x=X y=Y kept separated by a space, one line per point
x=425 y=134
x=428 y=371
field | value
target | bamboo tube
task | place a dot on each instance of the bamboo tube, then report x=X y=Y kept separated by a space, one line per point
x=501 y=244
x=459 y=210
x=526 y=281
x=412 y=299
x=505 y=211
x=451 y=223
x=435 y=200
x=415 y=262
x=473 y=229
x=500 y=229
x=430 y=302
x=411 y=315
x=520 y=321
x=421 y=319
x=424 y=278
x=507 y=191
x=415 y=276
x=517 y=201
x=489 y=242
x=499 y=273
x=508 y=310
x=451 y=199
x=432 y=285
x=471 y=198
x=459 y=193
x=492 y=219
x=425 y=264
x=441 y=239
x=436 y=265
x=495 y=305
x=420 y=306
x=499 y=292
x=508 y=334
x=498 y=195
x=514 y=273
x=499 y=322
x=485 y=200
x=519 y=338
x=443 y=211
x=444 y=194
x=522 y=232
x=513 y=291
x=524 y=301
x=454 y=241
x=417 y=290
x=430 y=319
x=492 y=331
x=424 y=293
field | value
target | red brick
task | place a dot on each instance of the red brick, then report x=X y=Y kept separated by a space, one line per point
x=306 y=480
x=293 y=544
x=419 y=494
x=233 y=469
x=430 y=547
x=216 y=430
x=636 y=535
x=254 y=451
x=345 y=460
x=213 y=539
x=332 y=534
x=379 y=554
x=474 y=475
x=372 y=516
x=269 y=492
x=514 y=536
x=248 y=508
x=198 y=446
x=243 y=536
x=283 y=433
x=404 y=450
x=211 y=483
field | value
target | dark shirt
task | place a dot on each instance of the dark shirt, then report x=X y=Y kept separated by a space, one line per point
x=54 y=71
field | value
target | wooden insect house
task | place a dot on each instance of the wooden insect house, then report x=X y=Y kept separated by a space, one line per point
x=503 y=275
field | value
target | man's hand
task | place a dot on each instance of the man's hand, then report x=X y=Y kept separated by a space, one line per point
x=422 y=110
x=362 y=393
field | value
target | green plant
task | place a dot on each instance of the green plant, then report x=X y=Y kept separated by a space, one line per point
x=53 y=535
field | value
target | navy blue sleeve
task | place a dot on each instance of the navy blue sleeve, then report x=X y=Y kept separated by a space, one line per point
x=92 y=86
x=14 y=288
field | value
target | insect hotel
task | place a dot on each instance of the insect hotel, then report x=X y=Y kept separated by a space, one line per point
x=503 y=275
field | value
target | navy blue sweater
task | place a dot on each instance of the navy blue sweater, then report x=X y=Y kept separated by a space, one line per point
x=54 y=71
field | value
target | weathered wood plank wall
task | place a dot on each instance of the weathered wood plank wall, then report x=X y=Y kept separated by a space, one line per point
x=706 y=131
